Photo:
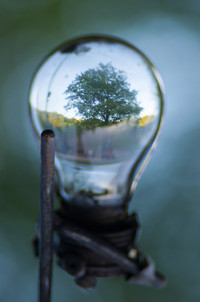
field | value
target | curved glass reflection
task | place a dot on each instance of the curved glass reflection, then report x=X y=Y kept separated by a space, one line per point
x=103 y=100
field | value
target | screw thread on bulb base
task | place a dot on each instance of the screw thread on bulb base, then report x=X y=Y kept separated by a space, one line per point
x=92 y=215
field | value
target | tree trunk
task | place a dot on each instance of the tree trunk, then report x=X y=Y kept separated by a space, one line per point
x=106 y=119
x=80 y=148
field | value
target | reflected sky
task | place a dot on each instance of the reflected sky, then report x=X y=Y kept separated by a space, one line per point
x=64 y=67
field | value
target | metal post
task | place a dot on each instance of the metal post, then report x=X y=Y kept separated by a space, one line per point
x=46 y=218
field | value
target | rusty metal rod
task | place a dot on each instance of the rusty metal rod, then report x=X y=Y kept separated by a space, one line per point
x=46 y=218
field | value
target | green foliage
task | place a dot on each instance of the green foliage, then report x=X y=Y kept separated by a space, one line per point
x=102 y=97
x=55 y=120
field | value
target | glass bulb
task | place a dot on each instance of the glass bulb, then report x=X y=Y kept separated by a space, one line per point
x=103 y=99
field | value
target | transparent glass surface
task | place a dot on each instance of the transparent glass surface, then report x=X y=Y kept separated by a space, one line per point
x=102 y=98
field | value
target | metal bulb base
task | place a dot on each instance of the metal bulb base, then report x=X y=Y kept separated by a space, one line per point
x=91 y=247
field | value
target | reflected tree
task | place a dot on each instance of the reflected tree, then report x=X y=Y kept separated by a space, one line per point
x=102 y=96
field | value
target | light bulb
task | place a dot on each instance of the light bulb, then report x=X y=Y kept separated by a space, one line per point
x=103 y=99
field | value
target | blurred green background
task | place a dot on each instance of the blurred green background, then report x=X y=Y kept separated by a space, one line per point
x=167 y=196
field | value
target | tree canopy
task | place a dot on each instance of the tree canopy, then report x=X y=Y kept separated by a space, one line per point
x=102 y=97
